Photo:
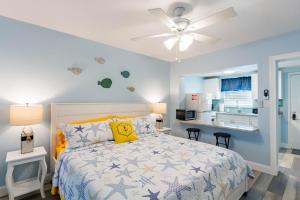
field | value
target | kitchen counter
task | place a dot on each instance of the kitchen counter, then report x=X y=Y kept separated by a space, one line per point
x=227 y=125
x=241 y=114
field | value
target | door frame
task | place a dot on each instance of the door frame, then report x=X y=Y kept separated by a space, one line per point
x=273 y=108
x=289 y=105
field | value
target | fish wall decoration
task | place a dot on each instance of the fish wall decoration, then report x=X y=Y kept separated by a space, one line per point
x=99 y=60
x=75 y=70
x=105 y=83
x=125 y=74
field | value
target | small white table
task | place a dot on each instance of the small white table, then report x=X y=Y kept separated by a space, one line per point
x=15 y=158
x=165 y=130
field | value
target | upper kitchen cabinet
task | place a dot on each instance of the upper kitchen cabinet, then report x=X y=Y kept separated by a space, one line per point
x=212 y=86
x=254 y=86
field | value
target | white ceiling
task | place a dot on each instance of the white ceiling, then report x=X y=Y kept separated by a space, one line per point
x=114 y=22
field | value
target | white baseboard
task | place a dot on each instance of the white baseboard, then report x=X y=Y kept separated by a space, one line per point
x=3 y=190
x=262 y=168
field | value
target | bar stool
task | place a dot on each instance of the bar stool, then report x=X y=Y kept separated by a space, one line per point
x=226 y=137
x=195 y=131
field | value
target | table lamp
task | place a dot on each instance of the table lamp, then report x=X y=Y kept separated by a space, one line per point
x=25 y=115
x=160 y=109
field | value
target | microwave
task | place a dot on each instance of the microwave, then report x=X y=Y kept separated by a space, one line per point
x=186 y=114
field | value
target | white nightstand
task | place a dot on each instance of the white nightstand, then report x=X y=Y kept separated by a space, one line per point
x=15 y=158
x=165 y=130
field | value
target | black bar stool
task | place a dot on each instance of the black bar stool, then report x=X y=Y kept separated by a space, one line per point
x=226 y=137
x=195 y=131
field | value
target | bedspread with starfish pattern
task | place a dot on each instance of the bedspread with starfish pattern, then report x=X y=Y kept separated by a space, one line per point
x=156 y=166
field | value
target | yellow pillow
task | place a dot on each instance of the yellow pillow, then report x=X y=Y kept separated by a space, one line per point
x=123 y=131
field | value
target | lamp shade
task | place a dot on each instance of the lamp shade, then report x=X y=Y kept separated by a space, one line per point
x=160 y=108
x=22 y=115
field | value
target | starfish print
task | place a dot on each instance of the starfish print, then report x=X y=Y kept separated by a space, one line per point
x=209 y=186
x=69 y=194
x=197 y=169
x=84 y=139
x=155 y=152
x=94 y=128
x=81 y=187
x=231 y=183
x=113 y=166
x=223 y=187
x=119 y=188
x=79 y=129
x=220 y=154
x=93 y=162
x=93 y=150
x=147 y=126
x=93 y=197
x=168 y=164
x=232 y=166
x=185 y=161
x=134 y=161
x=165 y=156
x=152 y=195
x=148 y=168
x=145 y=180
x=176 y=188
x=125 y=172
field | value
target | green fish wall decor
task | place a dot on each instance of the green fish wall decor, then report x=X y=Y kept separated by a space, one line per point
x=105 y=83
x=125 y=74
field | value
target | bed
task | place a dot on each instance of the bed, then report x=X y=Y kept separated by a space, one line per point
x=156 y=166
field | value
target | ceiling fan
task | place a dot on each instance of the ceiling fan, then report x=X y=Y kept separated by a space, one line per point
x=183 y=30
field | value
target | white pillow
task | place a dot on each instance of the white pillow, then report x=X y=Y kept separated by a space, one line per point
x=81 y=135
x=142 y=125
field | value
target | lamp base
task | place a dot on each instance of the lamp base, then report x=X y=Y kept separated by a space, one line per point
x=159 y=123
x=27 y=142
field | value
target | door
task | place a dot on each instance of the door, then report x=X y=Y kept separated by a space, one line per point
x=294 y=111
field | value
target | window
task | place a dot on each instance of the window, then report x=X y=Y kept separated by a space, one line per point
x=238 y=99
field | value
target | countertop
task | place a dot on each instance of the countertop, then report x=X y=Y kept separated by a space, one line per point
x=217 y=124
x=240 y=114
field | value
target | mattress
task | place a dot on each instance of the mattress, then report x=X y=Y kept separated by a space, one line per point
x=155 y=166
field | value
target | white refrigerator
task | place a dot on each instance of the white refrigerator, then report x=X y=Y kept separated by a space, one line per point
x=201 y=102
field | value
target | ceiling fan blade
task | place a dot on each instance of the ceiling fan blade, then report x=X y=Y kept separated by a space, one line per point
x=152 y=36
x=203 y=38
x=170 y=43
x=213 y=19
x=164 y=18
x=185 y=42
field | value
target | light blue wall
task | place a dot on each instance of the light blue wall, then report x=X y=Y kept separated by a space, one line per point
x=193 y=84
x=285 y=99
x=33 y=63
x=253 y=147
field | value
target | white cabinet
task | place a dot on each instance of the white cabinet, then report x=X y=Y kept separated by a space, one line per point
x=254 y=86
x=212 y=86
x=243 y=119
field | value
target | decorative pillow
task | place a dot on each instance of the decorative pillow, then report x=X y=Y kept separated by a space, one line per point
x=147 y=125
x=123 y=131
x=142 y=125
x=80 y=135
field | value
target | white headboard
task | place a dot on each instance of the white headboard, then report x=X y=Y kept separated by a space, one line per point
x=68 y=112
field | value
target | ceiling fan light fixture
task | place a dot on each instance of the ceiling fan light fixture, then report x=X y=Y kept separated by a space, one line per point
x=185 y=42
x=170 y=43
